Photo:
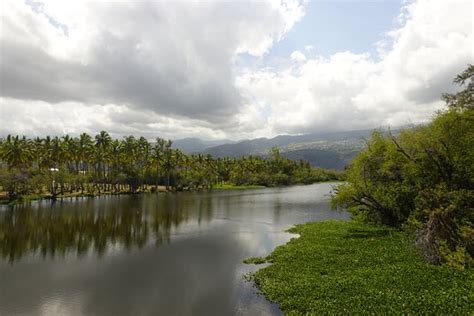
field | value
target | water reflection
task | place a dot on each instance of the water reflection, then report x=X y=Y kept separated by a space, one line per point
x=80 y=225
x=167 y=254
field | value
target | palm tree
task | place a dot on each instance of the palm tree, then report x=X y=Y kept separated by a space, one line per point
x=57 y=152
x=130 y=161
x=16 y=152
x=46 y=153
x=129 y=158
x=144 y=154
x=210 y=171
x=37 y=151
x=158 y=152
x=168 y=161
x=115 y=151
x=69 y=147
x=102 y=142
x=84 y=150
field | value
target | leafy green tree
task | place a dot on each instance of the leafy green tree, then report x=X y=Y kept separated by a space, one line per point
x=102 y=143
x=157 y=157
x=422 y=178
x=101 y=164
x=84 y=152
x=16 y=152
x=464 y=98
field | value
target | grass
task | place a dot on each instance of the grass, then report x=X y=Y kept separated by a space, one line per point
x=338 y=267
x=227 y=186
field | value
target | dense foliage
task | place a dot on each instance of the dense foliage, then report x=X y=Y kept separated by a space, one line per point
x=422 y=178
x=338 y=267
x=86 y=165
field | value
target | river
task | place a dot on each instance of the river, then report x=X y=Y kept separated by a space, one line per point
x=149 y=254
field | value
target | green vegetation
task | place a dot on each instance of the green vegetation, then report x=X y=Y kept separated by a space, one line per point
x=422 y=179
x=71 y=166
x=338 y=267
x=255 y=260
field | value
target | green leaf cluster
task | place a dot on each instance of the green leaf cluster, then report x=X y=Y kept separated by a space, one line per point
x=422 y=178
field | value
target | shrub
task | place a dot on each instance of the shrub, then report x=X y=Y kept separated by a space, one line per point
x=422 y=178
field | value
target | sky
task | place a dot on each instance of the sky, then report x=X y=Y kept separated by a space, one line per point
x=227 y=69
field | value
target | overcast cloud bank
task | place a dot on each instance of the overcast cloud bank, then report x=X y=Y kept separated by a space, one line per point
x=169 y=69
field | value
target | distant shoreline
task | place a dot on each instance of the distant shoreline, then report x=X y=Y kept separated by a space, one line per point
x=161 y=189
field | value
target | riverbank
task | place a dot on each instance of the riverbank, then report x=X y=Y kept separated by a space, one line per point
x=338 y=267
x=48 y=196
x=149 y=189
x=226 y=186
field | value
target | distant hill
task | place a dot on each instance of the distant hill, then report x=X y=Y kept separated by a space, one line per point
x=196 y=145
x=322 y=158
x=327 y=150
x=262 y=145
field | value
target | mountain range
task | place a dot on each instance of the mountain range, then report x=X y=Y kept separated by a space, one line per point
x=326 y=150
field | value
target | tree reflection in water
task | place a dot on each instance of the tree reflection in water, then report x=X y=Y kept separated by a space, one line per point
x=94 y=224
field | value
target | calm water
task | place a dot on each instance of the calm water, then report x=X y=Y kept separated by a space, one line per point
x=165 y=254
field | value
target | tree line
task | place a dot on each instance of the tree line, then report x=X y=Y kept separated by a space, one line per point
x=94 y=165
x=422 y=179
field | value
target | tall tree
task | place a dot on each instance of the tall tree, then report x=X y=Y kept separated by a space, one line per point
x=102 y=143
x=17 y=152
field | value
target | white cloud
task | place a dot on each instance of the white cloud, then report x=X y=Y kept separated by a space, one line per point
x=167 y=69
x=171 y=60
x=258 y=40
x=298 y=56
x=350 y=91
x=43 y=118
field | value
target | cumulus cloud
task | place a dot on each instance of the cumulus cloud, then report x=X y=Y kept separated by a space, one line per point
x=43 y=118
x=348 y=91
x=170 y=59
x=298 y=56
x=169 y=69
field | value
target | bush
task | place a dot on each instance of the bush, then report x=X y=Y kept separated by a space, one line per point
x=378 y=189
x=443 y=221
x=38 y=183
x=15 y=182
x=422 y=178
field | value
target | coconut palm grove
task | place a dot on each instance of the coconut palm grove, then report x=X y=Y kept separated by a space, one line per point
x=86 y=165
